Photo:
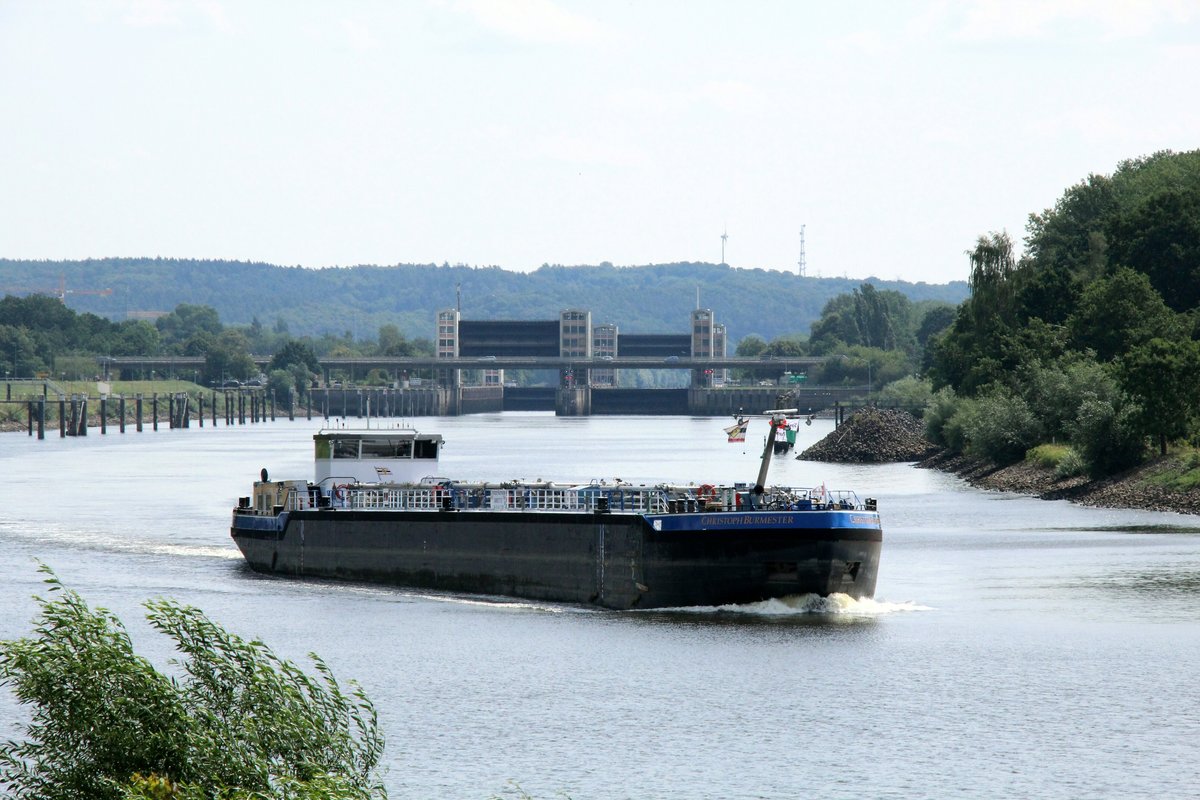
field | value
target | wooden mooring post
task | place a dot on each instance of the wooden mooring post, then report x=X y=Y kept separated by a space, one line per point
x=37 y=417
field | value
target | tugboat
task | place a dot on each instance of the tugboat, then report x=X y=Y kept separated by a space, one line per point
x=377 y=511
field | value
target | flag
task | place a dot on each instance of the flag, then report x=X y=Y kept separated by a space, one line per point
x=737 y=433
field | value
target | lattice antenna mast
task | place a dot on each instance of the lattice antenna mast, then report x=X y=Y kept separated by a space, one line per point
x=803 y=264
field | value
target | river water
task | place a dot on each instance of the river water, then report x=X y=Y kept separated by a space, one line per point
x=1016 y=648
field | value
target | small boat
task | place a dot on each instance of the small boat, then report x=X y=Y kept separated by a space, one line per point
x=376 y=510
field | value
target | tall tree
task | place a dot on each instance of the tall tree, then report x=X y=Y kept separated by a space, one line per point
x=1163 y=376
x=1117 y=313
x=1161 y=238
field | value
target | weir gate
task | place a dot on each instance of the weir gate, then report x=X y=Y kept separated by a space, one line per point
x=578 y=401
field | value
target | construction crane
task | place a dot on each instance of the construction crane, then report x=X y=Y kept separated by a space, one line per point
x=61 y=291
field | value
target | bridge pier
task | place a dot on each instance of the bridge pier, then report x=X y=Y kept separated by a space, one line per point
x=573 y=401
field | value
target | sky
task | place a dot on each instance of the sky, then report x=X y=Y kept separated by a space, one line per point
x=876 y=138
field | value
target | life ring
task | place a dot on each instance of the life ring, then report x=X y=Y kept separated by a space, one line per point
x=339 y=492
x=706 y=492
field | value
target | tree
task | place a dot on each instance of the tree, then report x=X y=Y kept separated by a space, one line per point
x=867 y=317
x=1120 y=312
x=136 y=338
x=227 y=357
x=186 y=321
x=936 y=319
x=787 y=347
x=392 y=342
x=1069 y=235
x=280 y=383
x=751 y=346
x=239 y=722
x=1163 y=377
x=1161 y=239
x=295 y=352
x=971 y=355
x=18 y=354
x=992 y=270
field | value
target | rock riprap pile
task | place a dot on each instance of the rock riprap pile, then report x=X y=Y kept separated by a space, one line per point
x=874 y=436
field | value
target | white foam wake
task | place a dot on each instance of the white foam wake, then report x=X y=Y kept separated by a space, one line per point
x=834 y=604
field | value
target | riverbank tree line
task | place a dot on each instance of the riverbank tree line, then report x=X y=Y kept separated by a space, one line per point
x=1091 y=339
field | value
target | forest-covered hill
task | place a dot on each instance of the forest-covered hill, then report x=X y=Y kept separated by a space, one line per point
x=644 y=299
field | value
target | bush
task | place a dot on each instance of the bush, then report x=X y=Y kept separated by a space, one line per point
x=1061 y=458
x=910 y=393
x=1105 y=435
x=241 y=722
x=1002 y=428
x=939 y=410
x=1072 y=464
x=1056 y=391
x=1048 y=456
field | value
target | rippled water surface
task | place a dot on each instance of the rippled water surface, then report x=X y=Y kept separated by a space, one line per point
x=1016 y=648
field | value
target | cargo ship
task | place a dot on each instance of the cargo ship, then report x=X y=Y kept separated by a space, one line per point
x=376 y=510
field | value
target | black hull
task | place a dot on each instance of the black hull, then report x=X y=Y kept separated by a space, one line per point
x=614 y=560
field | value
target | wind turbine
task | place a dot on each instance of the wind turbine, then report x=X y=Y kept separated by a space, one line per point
x=724 y=236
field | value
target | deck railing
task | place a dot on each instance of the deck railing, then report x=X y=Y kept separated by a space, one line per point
x=548 y=497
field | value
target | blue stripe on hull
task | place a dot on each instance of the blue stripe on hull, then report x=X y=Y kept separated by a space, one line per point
x=768 y=520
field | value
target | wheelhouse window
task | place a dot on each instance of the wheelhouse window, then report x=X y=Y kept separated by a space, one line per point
x=387 y=448
x=345 y=448
x=426 y=448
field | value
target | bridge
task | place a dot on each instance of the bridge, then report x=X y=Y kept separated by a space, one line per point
x=360 y=365
x=572 y=394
